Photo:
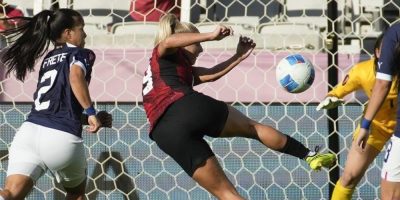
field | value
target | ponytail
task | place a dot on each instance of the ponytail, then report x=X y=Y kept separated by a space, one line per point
x=377 y=46
x=169 y=24
x=396 y=61
x=32 y=39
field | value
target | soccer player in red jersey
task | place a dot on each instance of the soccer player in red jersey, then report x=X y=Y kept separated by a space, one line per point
x=180 y=117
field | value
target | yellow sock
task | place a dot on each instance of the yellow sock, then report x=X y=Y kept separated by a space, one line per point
x=342 y=193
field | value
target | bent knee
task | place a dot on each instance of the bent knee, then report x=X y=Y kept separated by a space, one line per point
x=5 y=194
x=252 y=129
x=390 y=196
x=10 y=195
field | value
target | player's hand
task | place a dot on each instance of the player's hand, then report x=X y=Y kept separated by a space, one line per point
x=361 y=139
x=221 y=32
x=329 y=103
x=105 y=119
x=94 y=124
x=245 y=46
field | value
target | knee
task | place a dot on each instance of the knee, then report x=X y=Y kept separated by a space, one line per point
x=348 y=180
x=257 y=130
x=7 y=195
x=253 y=127
x=389 y=196
x=249 y=130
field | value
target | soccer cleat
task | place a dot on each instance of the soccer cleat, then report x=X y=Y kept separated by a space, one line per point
x=318 y=160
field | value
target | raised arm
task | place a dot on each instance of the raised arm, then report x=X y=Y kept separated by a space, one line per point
x=244 y=49
x=350 y=83
x=176 y=40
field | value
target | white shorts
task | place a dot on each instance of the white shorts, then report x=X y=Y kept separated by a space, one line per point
x=391 y=161
x=36 y=148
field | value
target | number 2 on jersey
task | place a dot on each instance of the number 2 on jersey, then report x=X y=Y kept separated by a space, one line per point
x=52 y=74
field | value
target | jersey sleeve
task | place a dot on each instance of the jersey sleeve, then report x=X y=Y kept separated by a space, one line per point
x=387 y=60
x=84 y=58
x=350 y=83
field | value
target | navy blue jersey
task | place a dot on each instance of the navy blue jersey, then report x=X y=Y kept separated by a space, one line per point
x=388 y=64
x=388 y=61
x=55 y=105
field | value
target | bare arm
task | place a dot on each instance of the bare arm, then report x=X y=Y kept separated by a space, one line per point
x=79 y=86
x=81 y=91
x=203 y=75
x=177 y=40
x=351 y=82
x=388 y=61
x=244 y=49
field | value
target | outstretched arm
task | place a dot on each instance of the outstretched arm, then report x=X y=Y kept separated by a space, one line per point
x=351 y=82
x=244 y=49
x=177 y=40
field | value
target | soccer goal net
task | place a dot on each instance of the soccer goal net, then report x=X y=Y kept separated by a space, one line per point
x=124 y=163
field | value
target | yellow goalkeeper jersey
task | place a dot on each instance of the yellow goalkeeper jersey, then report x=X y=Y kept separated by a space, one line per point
x=362 y=76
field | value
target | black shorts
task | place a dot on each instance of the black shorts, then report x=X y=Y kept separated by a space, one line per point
x=180 y=130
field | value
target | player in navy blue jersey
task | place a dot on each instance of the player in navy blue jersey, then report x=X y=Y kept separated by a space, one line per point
x=50 y=138
x=180 y=117
x=388 y=68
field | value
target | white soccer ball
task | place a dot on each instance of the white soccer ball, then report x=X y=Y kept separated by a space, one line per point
x=295 y=73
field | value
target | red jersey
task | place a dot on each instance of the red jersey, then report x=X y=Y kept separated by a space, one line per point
x=150 y=10
x=165 y=81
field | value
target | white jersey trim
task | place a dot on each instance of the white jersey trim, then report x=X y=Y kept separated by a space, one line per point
x=383 y=76
x=76 y=62
x=79 y=63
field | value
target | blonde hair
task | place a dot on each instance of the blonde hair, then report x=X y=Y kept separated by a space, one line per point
x=170 y=24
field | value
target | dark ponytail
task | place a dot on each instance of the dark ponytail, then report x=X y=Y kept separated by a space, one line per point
x=377 y=46
x=396 y=68
x=31 y=40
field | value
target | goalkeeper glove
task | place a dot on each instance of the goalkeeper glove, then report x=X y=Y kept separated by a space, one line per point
x=329 y=103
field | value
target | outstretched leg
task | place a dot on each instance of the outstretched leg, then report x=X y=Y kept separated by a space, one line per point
x=238 y=125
